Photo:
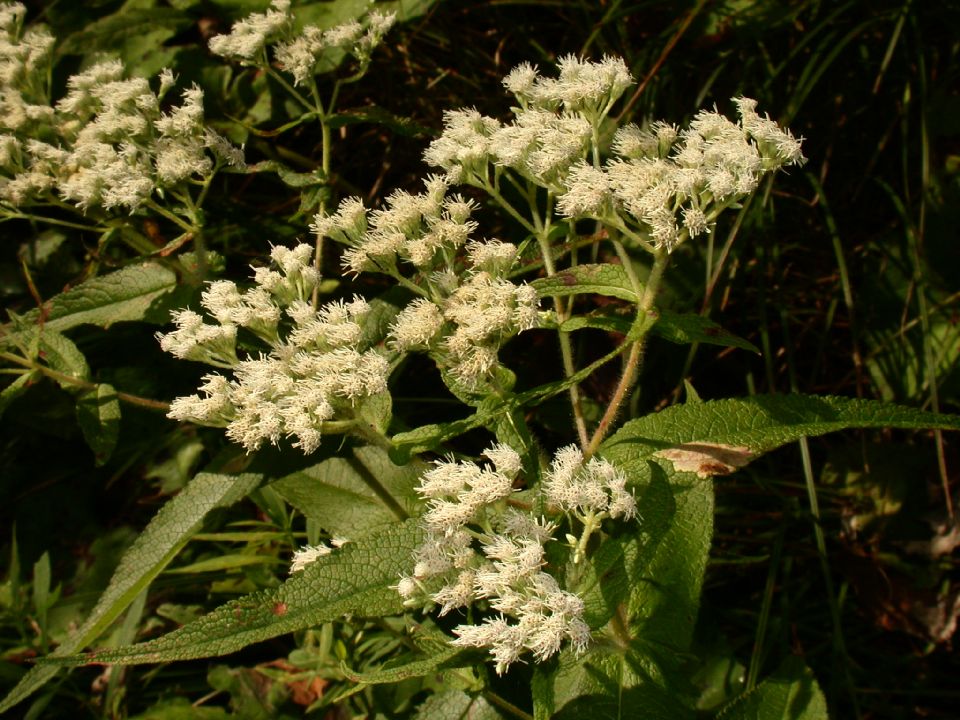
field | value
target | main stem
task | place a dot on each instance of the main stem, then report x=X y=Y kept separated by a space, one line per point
x=566 y=350
x=84 y=384
x=632 y=366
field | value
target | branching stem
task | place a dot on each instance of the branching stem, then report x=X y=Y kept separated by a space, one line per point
x=84 y=384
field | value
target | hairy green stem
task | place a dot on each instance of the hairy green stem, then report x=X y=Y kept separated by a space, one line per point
x=288 y=87
x=632 y=366
x=502 y=201
x=84 y=384
x=53 y=221
x=507 y=706
x=566 y=350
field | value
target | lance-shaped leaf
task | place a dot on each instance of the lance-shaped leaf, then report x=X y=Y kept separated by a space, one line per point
x=600 y=279
x=605 y=684
x=457 y=705
x=436 y=653
x=61 y=354
x=791 y=693
x=356 y=579
x=684 y=328
x=124 y=295
x=159 y=543
x=98 y=414
x=669 y=457
x=718 y=436
x=350 y=496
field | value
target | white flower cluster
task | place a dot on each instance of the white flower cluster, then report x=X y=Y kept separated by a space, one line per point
x=24 y=65
x=423 y=230
x=595 y=487
x=673 y=185
x=470 y=312
x=476 y=550
x=552 y=129
x=300 y=52
x=106 y=143
x=316 y=370
x=664 y=185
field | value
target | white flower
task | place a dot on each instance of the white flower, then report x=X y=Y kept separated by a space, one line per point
x=247 y=37
x=416 y=325
x=458 y=594
x=465 y=145
x=593 y=487
x=486 y=312
x=300 y=55
x=504 y=458
x=492 y=256
x=344 y=34
x=196 y=340
x=588 y=192
x=695 y=221
x=313 y=373
x=179 y=159
x=521 y=80
x=587 y=86
x=214 y=407
x=186 y=119
x=308 y=554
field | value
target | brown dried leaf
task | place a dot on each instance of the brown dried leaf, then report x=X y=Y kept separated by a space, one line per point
x=706 y=459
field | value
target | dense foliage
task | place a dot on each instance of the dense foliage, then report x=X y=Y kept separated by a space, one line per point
x=438 y=359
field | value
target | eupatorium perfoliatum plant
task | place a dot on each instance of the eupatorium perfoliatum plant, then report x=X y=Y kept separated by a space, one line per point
x=575 y=566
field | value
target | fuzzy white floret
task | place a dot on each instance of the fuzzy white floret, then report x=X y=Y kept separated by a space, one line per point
x=307 y=555
x=247 y=37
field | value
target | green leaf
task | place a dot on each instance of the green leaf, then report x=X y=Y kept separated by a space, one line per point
x=436 y=653
x=652 y=571
x=456 y=705
x=224 y=562
x=655 y=572
x=791 y=693
x=396 y=124
x=355 y=579
x=61 y=354
x=41 y=590
x=137 y=33
x=152 y=551
x=98 y=414
x=183 y=709
x=604 y=685
x=328 y=14
x=718 y=436
x=600 y=279
x=607 y=322
x=376 y=410
x=289 y=177
x=383 y=311
x=429 y=437
x=686 y=328
x=656 y=578
x=127 y=294
x=351 y=496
